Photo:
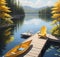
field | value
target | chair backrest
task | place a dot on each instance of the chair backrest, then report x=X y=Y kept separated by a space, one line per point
x=43 y=30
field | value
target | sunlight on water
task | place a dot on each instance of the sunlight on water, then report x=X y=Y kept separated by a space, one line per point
x=33 y=21
x=52 y=51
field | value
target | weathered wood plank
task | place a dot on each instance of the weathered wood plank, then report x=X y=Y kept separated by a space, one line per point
x=38 y=44
x=27 y=56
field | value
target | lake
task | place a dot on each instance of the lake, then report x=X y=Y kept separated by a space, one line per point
x=11 y=36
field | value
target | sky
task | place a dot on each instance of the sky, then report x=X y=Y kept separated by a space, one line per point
x=37 y=3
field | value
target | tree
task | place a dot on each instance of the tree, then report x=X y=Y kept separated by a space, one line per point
x=4 y=12
x=56 y=17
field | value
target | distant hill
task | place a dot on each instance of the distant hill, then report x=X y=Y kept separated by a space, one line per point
x=30 y=10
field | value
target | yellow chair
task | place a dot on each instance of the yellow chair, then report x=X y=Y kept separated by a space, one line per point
x=42 y=32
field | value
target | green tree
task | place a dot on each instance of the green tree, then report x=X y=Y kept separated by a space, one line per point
x=56 y=17
x=4 y=12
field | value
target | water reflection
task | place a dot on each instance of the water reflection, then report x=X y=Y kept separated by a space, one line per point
x=18 y=21
x=5 y=38
x=52 y=49
x=31 y=16
x=45 y=17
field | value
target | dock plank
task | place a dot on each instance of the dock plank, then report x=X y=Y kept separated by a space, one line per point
x=38 y=44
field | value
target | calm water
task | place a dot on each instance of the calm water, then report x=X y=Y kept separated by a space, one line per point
x=10 y=37
x=53 y=50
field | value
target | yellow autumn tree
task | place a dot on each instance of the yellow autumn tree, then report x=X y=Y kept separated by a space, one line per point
x=4 y=12
x=56 y=16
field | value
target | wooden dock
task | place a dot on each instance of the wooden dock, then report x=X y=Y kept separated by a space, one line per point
x=37 y=45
